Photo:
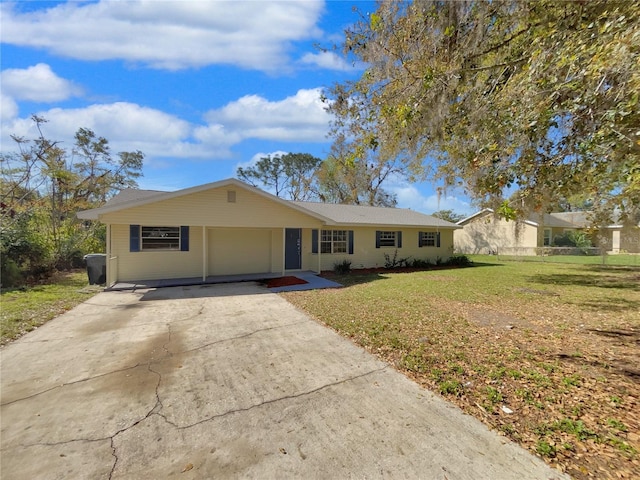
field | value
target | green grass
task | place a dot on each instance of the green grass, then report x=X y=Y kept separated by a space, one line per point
x=614 y=260
x=22 y=310
x=555 y=343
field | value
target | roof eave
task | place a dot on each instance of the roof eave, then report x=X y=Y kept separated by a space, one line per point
x=390 y=225
x=94 y=214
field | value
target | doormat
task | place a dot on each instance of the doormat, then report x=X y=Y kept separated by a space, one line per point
x=284 y=282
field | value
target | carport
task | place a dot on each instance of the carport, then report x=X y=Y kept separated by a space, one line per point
x=311 y=279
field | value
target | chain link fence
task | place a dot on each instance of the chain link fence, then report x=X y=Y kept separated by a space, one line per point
x=581 y=255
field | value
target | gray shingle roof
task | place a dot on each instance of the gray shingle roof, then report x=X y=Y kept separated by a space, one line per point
x=366 y=215
x=330 y=213
x=551 y=220
x=567 y=220
x=131 y=194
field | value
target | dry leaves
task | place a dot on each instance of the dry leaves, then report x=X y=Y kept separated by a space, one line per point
x=545 y=354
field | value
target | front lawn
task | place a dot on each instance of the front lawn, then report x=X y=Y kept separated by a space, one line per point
x=546 y=354
x=24 y=309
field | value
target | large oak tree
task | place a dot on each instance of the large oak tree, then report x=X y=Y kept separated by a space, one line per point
x=497 y=95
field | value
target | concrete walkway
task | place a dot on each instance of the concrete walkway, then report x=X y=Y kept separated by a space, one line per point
x=313 y=281
x=225 y=381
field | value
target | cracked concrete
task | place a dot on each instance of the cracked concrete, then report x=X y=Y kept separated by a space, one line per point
x=225 y=381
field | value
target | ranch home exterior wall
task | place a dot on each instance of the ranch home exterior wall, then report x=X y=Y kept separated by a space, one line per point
x=366 y=255
x=231 y=228
x=483 y=233
x=486 y=234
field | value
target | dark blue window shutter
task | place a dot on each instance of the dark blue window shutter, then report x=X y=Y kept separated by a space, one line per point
x=399 y=235
x=377 y=238
x=314 y=241
x=438 y=239
x=420 y=239
x=134 y=238
x=184 y=239
x=350 y=242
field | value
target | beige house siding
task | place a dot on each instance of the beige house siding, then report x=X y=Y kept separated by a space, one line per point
x=229 y=252
x=154 y=265
x=247 y=250
x=366 y=255
x=241 y=232
x=213 y=208
x=618 y=240
x=630 y=240
x=243 y=250
x=485 y=234
x=259 y=249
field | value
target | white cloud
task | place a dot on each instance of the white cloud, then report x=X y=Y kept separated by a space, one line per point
x=410 y=197
x=328 y=60
x=169 y=34
x=258 y=156
x=129 y=126
x=301 y=117
x=37 y=84
x=8 y=107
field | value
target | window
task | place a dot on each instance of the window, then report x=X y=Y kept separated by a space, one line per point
x=427 y=239
x=153 y=239
x=388 y=239
x=333 y=241
x=547 y=237
x=160 y=238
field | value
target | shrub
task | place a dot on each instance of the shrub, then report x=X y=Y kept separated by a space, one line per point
x=9 y=273
x=573 y=238
x=23 y=252
x=459 y=261
x=342 y=267
x=419 y=263
x=395 y=262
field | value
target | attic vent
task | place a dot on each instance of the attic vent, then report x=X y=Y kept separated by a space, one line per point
x=231 y=196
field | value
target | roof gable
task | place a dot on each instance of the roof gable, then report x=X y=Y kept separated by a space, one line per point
x=130 y=198
x=488 y=211
x=550 y=220
x=327 y=213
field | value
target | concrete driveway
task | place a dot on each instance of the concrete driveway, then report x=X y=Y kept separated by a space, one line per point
x=225 y=381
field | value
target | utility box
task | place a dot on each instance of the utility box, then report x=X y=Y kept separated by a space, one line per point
x=96 y=268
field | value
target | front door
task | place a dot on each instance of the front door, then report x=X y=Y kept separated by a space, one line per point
x=292 y=249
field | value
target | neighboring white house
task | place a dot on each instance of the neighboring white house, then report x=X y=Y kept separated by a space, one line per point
x=485 y=232
x=231 y=228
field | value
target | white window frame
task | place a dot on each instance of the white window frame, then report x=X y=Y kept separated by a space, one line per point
x=388 y=238
x=334 y=241
x=159 y=238
x=547 y=240
x=428 y=239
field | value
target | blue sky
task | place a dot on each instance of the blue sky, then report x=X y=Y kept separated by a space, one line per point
x=200 y=87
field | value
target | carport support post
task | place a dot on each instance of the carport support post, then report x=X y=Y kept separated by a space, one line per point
x=108 y=252
x=204 y=254
x=284 y=249
x=319 y=249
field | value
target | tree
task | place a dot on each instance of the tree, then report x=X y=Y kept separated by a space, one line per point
x=43 y=186
x=291 y=175
x=448 y=215
x=348 y=177
x=491 y=95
